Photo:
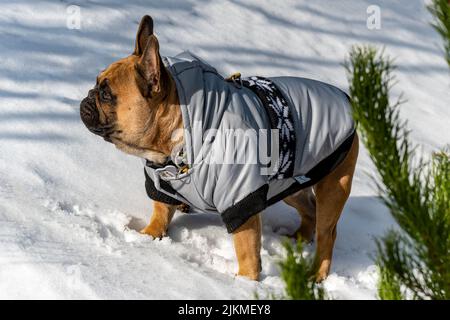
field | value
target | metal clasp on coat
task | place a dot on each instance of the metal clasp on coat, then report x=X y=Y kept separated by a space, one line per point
x=236 y=79
x=167 y=173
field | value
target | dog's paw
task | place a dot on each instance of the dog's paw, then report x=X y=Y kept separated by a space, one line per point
x=249 y=275
x=322 y=272
x=321 y=276
x=305 y=233
x=155 y=232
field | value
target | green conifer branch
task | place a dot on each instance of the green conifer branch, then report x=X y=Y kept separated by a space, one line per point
x=440 y=9
x=416 y=259
x=298 y=273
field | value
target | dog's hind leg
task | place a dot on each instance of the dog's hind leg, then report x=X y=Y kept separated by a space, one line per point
x=161 y=217
x=247 y=244
x=305 y=203
x=331 y=194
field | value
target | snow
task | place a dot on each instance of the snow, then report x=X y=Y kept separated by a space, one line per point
x=70 y=204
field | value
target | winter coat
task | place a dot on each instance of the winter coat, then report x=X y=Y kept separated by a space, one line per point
x=229 y=171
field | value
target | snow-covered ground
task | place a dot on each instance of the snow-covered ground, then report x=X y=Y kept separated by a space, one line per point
x=70 y=204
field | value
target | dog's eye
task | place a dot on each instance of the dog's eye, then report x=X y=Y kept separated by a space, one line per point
x=105 y=96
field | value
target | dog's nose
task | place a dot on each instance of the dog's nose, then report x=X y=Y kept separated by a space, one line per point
x=89 y=113
x=91 y=94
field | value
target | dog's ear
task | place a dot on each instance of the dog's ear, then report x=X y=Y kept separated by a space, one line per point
x=148 y=68
x=144 y=32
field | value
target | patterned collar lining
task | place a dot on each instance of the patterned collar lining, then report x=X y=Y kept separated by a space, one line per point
x=280 y=118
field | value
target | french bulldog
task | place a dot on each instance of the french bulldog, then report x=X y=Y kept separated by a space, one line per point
x=135 y=106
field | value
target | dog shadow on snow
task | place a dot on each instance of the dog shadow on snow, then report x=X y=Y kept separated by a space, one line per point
x=364 y=218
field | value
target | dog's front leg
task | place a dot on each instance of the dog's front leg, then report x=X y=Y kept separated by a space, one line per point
x=161 y=217
x=247 y=244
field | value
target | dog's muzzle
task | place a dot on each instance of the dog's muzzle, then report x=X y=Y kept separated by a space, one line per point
x=90 y=116
x=89 y=112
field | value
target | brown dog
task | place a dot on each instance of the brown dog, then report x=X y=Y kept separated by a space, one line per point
x=135 y=106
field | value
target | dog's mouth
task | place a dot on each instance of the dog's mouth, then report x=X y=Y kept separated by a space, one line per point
x=89 y=114
x=103 y=131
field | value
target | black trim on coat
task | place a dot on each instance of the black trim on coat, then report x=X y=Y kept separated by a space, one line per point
x=255 y=202
x=238 y=214
x=320 y=171
x=157 y=195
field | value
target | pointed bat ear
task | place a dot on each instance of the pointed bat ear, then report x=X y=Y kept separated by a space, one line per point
x=148 y=68
x=144 y=32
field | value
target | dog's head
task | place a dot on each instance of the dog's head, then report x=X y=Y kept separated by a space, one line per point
x=129 y=95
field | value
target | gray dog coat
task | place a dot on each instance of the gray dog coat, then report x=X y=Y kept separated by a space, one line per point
x=249 y=143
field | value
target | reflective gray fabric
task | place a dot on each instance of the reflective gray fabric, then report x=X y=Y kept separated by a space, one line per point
x=322 y=119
